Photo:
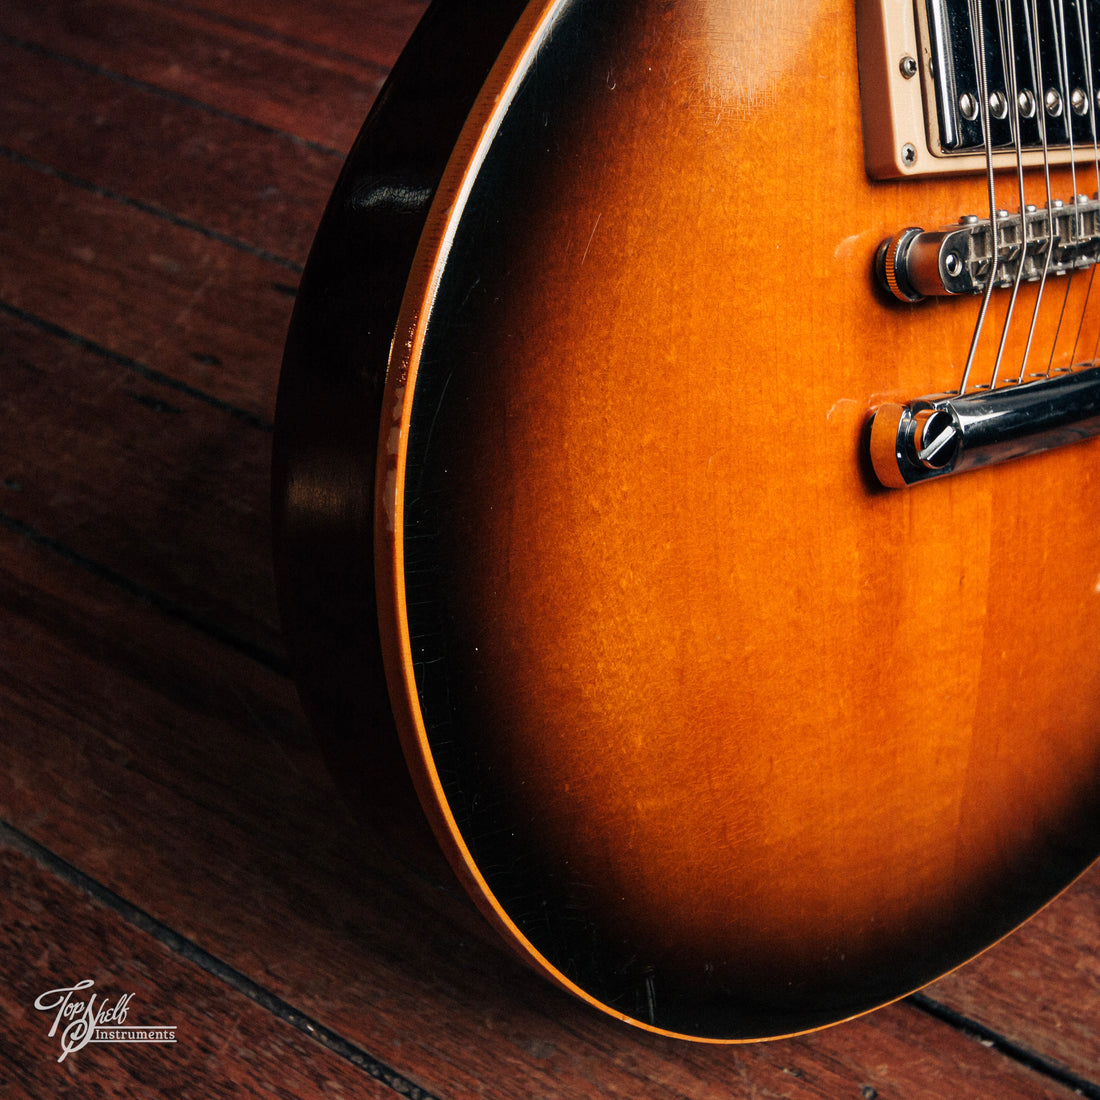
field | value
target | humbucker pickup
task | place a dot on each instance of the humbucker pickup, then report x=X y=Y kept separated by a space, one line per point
x=923 y=109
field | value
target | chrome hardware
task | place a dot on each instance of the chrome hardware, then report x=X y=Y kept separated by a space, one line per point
x=949 y=434
x=958 y=259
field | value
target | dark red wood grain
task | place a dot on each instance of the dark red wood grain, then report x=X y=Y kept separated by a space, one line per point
x=225 y=1044
x=193 y=309
x=195 y=478
x=375 y=30
x=268 y=82
x=191 y=162
x=158 y=197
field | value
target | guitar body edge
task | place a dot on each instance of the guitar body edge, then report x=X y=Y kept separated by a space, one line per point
x=329 y=403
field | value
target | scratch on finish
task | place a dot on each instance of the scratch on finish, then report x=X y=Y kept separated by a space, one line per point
x=844 y=249
x=837 y=405
x=745 y=49
x=591 y=236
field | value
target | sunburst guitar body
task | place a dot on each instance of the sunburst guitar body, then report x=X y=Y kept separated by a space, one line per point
x=624 y=424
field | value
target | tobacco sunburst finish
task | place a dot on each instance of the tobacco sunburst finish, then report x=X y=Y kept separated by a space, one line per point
x=722 y=736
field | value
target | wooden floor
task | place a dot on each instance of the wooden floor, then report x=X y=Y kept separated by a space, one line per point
x=168 y=829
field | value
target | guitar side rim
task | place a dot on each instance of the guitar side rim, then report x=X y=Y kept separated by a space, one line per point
x=329 y=405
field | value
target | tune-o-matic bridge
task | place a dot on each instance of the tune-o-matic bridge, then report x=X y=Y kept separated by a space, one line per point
x=958 y=259
x=950 y=433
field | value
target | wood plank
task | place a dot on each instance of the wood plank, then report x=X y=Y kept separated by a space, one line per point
x=374 y=29
x=56 y=936
x=315 y=95
x=263 y=189
x=179 y=774
x=195 y=309
x=193 y=478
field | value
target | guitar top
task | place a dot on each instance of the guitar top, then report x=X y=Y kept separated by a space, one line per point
x=743 y=682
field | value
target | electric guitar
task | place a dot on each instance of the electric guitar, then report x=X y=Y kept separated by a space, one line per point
x=690 y=410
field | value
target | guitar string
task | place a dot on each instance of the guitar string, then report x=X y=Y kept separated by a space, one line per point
x=1094 y=122
x=1095 y=106
x=1062 y=57
x=1007 y=41
x=1085 y=32
x=1061 y=104
x=1035 y=63
x=976 y=20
